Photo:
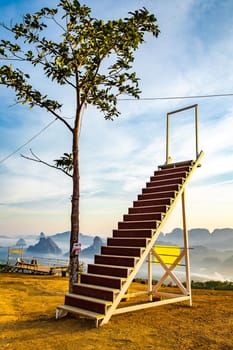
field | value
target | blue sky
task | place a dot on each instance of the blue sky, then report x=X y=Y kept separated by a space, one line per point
x=192 y=56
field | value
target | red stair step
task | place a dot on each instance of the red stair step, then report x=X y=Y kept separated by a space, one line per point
x=133 y=233
x=189 y=163
x=115 y=271
x=123 y=251
x=175 y=180
x=115 y=260
x=157 y=195
x=87 y=304
x=172 y=170
x=95 y=291
x=127 y=242
x=149 y=209
x=149 y=202
x=151 y=224
x=98 y=280
x=161 y=176
x=142 y=217
x=159 y=188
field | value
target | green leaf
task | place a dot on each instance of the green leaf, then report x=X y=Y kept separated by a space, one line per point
x=86 y=48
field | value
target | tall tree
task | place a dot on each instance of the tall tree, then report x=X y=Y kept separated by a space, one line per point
x=91 y=56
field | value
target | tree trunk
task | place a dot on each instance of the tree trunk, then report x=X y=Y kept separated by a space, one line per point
x=74 y=259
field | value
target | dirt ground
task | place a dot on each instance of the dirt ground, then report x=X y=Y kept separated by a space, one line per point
x=27 y=321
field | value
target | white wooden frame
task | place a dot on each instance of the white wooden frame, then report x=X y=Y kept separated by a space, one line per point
x=168 y=157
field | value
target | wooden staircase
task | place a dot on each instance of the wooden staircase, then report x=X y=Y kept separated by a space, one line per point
x=101 y=289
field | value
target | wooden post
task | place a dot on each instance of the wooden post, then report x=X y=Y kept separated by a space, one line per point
x=8 y=256
x=186 y=249
x=149 y=278
x=196 y=130
x=168 y=139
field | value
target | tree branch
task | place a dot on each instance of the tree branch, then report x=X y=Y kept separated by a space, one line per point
x=60 y=118
x=38 y=160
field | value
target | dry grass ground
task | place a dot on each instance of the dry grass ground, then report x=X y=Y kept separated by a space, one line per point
x=27 y=321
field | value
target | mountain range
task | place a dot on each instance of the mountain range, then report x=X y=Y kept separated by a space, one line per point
x=211 y=253
x=218 y=239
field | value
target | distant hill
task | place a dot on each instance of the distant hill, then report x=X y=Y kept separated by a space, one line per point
x=45 y=246
x=93 y=249
x=21 y=243
x=227 y=264
x=196 y=236
x=222 y=238
x=210 y=253
x=64 y=238
x=218 y=239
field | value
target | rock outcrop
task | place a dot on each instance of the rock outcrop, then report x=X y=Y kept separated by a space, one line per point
x=21 y=243
x=45 y=246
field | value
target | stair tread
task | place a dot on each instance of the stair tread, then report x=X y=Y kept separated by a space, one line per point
x=132 y=229
x=179 y=170
x=144 y=213
x=151 y=206
x=123 y=246
x=133 y=233
x=146 y=210
x=162 y=188
x=133 y=238
x=114 y=290
x=79 y=311
x=94 y=300
x=138 y=221
x=164 y=180
x=120 y=250
x=111 y=266
x=159 y=185
x=177 y=164
x=169 y=191
x=151 y=199
x=117 y=256
x=105 y=276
